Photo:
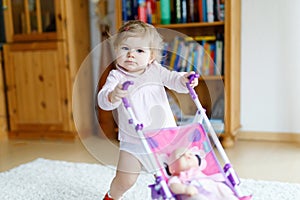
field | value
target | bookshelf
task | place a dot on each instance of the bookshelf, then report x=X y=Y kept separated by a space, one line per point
x=209 y=86
x=46 y=41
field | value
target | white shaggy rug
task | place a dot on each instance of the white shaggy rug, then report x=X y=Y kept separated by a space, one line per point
x=55 y=180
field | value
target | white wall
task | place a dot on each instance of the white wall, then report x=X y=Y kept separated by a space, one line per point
x=270 y=68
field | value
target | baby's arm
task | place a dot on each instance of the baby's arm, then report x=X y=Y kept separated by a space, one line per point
x=176 y=80
x=117 y=94
x=109 y=97
x=179 y=188
x=185 y=79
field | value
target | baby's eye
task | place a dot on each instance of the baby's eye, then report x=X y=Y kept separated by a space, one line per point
x=140 y=51
x=124 y=48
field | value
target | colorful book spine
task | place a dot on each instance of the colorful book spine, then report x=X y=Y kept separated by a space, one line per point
x=142 y=10
x=200 y=53
x=178 y=55
x=149 y=11
x=174 y=52
x=210 y=10
x=184 y=63
x=190 y=60
x=154 y=11
x=212 y=66
x=200 y=10
x=219 y=57
x=192 y=14
x=125 y=16
x=217 y=10
x=165 y=11
x=204 y=56
x=134 y=9
x=173 y=11
x=164 y=54
x=178 y=11
x=204 y=11
x=158 y=13
x=184 y=11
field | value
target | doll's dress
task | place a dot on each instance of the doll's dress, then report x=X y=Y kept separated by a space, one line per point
x=210 y=187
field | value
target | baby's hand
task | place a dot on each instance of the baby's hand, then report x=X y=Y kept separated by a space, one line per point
x=117 y=94
x=194 y=83
x=191 y=190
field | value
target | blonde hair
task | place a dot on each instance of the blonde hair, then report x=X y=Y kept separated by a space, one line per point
x=137 y=28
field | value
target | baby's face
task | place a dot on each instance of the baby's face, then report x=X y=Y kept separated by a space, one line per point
x=134 y=54
x=185 y=162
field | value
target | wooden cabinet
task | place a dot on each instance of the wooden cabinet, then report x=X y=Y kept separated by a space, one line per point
x=46 y=43
x=3 y=120
x=230 y=28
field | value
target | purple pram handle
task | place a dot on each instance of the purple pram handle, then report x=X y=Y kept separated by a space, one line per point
x=125 y=86
x=191 y=90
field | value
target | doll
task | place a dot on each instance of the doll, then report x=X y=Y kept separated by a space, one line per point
x=190 y=183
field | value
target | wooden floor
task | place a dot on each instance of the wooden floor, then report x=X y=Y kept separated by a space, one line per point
x=251 y=159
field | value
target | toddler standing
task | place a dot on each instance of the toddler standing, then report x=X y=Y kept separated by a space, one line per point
x=138 y=48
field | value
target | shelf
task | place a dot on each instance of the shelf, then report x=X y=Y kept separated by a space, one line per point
x=190 y=25
x=211 y=78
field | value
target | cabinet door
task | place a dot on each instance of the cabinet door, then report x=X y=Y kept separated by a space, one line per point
x=36 y=76
x=33 y=20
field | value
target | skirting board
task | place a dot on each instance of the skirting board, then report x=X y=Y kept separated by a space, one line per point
x=268 y=136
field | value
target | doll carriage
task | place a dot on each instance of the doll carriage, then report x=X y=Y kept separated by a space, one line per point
x=160 y=143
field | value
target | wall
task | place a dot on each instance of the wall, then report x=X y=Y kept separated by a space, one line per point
x=270 y=68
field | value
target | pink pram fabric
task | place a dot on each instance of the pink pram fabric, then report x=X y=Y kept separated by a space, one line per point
x=191 y=137
x=165 y=141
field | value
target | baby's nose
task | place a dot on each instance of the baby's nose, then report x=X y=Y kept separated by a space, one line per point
x=130 y=53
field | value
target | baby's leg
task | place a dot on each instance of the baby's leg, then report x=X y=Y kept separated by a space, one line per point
x=127 y=173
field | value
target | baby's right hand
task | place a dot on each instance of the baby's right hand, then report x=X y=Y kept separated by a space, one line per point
x=117 y=94
x=191 y=190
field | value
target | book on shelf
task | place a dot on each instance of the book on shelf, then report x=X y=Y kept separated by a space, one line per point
x=174 y=52
x=204 y=11
x=182 y=118
x=142 y=10
x=130 y=10
x=217 y=125
x=173 y=11
x=210 y=10
x=178 y=11
x=165 y=12
x=203 y=54
x=184 y=11
x=192 y=11
x=151 y=11
x=217 y=10
x=222 y=10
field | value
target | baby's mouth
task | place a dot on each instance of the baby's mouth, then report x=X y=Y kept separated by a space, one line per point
x=129 y=62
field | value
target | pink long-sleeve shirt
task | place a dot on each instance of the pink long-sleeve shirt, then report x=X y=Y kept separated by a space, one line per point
x=147 y=97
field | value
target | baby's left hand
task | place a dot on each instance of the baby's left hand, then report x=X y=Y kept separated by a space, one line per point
x=194 y=83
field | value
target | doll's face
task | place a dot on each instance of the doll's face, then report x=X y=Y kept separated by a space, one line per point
x=134 y=54
x=183 y=162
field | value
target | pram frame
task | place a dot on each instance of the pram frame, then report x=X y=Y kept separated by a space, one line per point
x=160 y=181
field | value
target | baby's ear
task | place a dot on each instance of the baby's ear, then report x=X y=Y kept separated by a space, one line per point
x=151 y=60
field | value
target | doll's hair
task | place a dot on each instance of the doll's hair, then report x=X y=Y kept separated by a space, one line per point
x=137 y=28
x=167 y=166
